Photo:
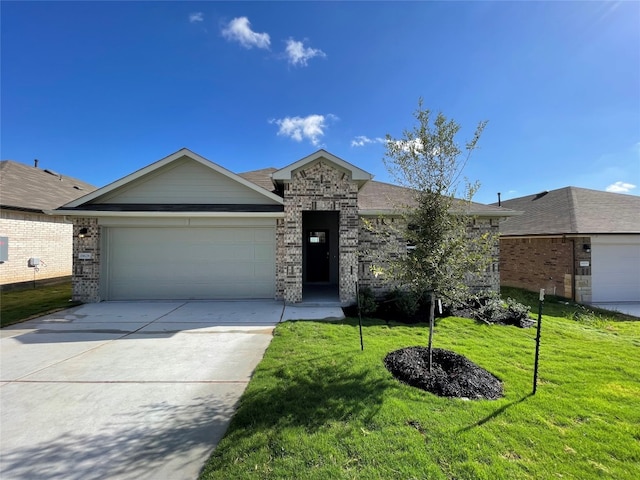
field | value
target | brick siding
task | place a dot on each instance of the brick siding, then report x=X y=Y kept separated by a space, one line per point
x=317 y=187
x=372 y=245
x=32 y=235
x=86 y=272
x=549 y=263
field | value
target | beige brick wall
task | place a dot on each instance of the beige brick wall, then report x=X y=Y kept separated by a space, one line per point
x=86 y=271
x=32 y=235
x=317 y=187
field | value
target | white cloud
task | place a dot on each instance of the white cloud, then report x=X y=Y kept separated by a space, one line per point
x=414 y=145
x=620 y=187
x=196 y=17
x=362 y=140
x=311 y=127
x=239 y=30
x=297 y=54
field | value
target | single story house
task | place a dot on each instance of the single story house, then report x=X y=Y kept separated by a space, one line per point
x=187 y=228
x=574 y=242
x=34 y=246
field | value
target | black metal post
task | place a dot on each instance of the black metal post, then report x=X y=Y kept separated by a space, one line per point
x=359 y=316
x=432 y=301
x=535 y=368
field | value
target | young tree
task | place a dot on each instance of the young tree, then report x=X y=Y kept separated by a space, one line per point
x=429 y=161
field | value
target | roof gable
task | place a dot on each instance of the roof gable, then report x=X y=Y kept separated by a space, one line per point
x=181 y=178
x=378 y=198
x=357 y=174
x=30 y=188
x=573 y=210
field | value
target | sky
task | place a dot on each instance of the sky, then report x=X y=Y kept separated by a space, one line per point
x=97 y=90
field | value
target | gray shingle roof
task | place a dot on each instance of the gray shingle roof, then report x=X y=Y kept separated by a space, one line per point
x=262 y=178
x=374 y=196
x=31 y=188
x=573 y=210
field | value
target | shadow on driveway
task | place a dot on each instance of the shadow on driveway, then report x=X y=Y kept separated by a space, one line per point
x=162 y=440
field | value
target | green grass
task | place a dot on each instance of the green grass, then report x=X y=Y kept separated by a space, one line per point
x=19 y=305
x=318 y=407
x=561 y=307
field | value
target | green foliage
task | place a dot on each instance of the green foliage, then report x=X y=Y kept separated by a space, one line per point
x=367 y=301
x=429 y=161
x=492 y=309
x=517 y=310
x=405 y=302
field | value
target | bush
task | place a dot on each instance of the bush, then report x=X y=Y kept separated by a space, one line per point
x=403 y=302
x=367 y=302
x=518 y=312
x=490 y=309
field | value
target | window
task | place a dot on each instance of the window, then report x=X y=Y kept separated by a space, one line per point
x=317 y=237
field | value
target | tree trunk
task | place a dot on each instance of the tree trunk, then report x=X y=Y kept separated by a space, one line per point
x=432 y=301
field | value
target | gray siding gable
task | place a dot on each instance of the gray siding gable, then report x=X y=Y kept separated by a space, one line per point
x=184 y=181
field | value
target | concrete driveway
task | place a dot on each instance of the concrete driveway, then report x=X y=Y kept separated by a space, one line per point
x=129 y=390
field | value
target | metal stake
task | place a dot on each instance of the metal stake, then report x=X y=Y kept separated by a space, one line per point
x=535 y=368
x=359 y=316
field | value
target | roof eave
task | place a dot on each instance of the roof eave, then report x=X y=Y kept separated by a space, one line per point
x=357 y=174
x=158 y=214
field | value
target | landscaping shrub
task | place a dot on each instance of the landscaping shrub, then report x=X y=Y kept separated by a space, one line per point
x=402 y=306
x=367 y=300
x=490 y=308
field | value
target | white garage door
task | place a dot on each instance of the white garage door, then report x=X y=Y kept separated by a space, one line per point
x=190 y=263
x=615 y=272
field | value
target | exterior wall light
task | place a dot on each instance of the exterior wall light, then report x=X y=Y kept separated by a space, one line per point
x=586 y=247
x=83 y=232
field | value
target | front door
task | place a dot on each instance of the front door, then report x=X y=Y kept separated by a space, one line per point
x=317 y=256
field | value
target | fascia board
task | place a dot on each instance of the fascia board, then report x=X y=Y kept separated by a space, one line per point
x=357 y=174
x=98 y=214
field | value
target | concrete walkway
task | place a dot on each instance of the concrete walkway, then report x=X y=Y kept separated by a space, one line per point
x=629 y=308
x=125 y=390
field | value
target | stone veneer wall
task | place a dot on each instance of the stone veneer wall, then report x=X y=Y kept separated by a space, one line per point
x=33 y=235
x=549 y=263
x=371 y=243
x=317 y=187
x=86 y=272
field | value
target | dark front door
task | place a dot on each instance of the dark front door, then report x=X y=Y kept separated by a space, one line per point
x=317 y=255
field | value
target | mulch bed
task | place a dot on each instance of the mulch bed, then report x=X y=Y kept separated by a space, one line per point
x=452 y=375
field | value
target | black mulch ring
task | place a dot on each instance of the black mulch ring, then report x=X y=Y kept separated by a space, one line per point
x=452 y=375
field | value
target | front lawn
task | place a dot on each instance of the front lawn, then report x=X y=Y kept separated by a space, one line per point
x=19 y=305
x=318 y=407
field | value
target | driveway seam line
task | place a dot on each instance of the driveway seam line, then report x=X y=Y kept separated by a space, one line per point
x=152 y=321
x=94 y=348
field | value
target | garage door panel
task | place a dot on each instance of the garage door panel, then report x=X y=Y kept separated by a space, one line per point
x=264 y=253
x=263 y=236
x=615 y=272
x=190 y=263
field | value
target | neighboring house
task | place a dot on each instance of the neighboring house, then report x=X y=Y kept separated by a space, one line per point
x=38 y=246
x=186 y=228
x=576 y=243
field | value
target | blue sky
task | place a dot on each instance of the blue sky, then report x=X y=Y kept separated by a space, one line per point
x=97 y=90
